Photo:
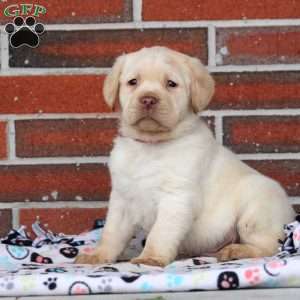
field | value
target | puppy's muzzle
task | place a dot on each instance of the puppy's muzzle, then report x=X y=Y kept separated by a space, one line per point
x=148 y=102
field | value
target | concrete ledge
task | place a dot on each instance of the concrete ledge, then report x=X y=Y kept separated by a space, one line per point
x=274 y=294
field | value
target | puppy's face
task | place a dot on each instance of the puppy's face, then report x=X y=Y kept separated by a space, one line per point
x=157 y=88
x=153 y=92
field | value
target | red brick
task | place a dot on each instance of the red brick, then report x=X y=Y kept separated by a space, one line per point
x=85 y=137
x=77 y=11
x=286 y=172
x=219 y=9
x=262 y=134
x=3 y=142
x=257 y=45
x=52 y=94
x=62 y=220
x=257 y=90
x=99 y=48
x=87 y=182
x=6 y=221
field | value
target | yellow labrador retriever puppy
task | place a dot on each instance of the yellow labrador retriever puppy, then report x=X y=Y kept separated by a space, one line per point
x=170 y=176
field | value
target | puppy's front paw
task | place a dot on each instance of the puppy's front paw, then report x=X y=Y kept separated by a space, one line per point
x=91 y=259
x=151 y=261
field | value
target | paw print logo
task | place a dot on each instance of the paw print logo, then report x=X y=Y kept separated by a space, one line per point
x=7 y=284
x=296 y=237
x=228 y=281
x=105 y=286
x=79 y=288
x=69 y=252
x=146 y=287
x=17 y=252
x=51 y=283
x=274 y=267
x=253 y=276
x=174 y=281
x=24 y=32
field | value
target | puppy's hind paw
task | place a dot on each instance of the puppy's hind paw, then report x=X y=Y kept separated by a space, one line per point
x=237 y=251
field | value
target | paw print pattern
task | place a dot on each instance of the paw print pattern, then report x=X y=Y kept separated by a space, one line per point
x=174 y=280
x=253 y=276
x=51 y=283
x=69 y=252
x=130 y=278
x=105 y=286
x=102 y=271
x=17 y=252
x=146 y=287
x=296 y=237
x=79 y=288
x=37 y=258
x=24 y=32
x=228 y=281
x=56 y=270
x=7 y=284
x=274 y=267
x=198 y=262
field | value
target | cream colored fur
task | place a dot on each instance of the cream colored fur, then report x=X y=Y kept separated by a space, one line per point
x=170 y=176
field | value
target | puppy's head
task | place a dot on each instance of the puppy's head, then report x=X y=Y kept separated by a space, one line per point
x=157 y=88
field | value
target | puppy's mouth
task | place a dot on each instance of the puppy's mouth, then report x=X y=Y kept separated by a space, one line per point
x=150 y=124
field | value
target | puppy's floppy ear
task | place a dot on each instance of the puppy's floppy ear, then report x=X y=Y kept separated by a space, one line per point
x=111 y=83
x=202 y=84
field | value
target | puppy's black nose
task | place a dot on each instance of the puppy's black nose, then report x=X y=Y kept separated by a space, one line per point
x=148 y=102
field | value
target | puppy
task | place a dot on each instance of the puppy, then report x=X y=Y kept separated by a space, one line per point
x=169 y=176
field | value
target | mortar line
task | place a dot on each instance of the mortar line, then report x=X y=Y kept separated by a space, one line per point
x=4 y=50
x=254 y=112
x=104 y=71
x=104 y=160
x=137 y=10
x=294 y=200
x=54 y=71
x=211 y=42
x=11 y=138
x=55 y=161
x=174 y=24
x=15 y=218
x=219 y=129
x=55 y=116
x=269 y=156
x=83 y=204
x=253 y=68
x=213 y=113
x=58 y=204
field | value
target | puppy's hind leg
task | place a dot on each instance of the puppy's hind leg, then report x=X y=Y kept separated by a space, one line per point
x=241 y=251
x=263 y=212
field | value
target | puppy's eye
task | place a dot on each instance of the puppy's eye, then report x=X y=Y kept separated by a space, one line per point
x=132 y=81
x=171 y=84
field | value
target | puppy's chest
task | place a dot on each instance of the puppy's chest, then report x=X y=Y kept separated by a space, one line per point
x=138 y=179
x=137 y=171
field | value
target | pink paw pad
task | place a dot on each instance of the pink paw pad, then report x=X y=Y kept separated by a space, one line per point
x=253 y=276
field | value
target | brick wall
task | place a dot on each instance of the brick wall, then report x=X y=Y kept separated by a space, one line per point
x=56 y=132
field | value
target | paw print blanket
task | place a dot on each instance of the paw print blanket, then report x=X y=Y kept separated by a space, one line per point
x=44 y=266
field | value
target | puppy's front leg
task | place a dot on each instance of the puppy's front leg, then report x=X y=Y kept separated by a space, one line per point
x=117 y=232
x=173 y=221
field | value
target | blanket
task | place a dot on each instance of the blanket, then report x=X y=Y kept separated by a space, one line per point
x=44 y=266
